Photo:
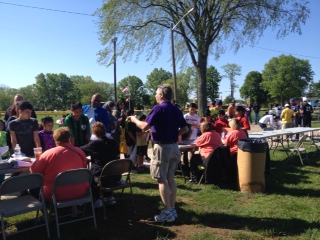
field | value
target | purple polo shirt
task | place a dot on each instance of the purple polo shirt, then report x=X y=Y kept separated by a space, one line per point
x=165 y=120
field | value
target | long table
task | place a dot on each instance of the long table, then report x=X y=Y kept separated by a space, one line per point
x=281 y=132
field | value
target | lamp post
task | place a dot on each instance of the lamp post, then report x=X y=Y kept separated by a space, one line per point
x=174 y=76
x=115 y=68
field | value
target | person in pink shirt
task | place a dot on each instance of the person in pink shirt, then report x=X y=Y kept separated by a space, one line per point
x=55 y=160
x=234 y=135
x=207 y=141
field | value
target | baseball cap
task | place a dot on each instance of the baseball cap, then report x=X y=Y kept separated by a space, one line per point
x=287 y=105
x=270 y=112
x=304 y=99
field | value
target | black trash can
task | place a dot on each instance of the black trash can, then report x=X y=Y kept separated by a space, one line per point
x=251 y=163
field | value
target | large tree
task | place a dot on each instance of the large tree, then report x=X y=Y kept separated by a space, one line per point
x=141 y=27
x=232 y=70
x=285 y=77
x=56 y=91
x=134 y=90
x=252 y=89
x=213 y=81
x=156 y=77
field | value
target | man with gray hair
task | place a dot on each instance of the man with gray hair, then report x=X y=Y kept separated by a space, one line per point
x=166 y=123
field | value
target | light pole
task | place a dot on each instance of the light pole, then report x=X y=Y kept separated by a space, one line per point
x=115 y=68
x=174 y=76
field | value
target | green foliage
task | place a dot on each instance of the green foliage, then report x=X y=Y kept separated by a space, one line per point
x=213 y=81
x=252 y=89
x=136 y=89
x=285 y=77
x=232 y=70
x=54 y=91
x=314 y=89
x=155 y=78
x=144 y=25
x=6 y=97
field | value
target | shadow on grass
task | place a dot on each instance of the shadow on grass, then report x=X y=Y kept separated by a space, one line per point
x=275 y=226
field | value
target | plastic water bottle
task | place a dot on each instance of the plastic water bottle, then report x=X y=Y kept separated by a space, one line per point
x=17 y=151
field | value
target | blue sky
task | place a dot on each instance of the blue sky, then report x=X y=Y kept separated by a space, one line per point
x=36 y=41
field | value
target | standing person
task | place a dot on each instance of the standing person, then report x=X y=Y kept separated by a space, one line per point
x=166 y=122
x=78 y=125
x=95 y=112
x=46 y=135
x=231 y=109
x=296 y=121
x=113 y=122
x=130 y=134
x=306 y=110
x=242 y=118
x=277 y=110
x=193 y=119
x=24 y=130
x=286 y=116
x=256 y=109
x=142 y=145
x=11 y=111
x=247 y=112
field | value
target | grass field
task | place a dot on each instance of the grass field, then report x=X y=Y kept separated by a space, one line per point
x=289 y=209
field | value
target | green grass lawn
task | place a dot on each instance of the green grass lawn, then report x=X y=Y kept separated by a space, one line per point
x=289 y=209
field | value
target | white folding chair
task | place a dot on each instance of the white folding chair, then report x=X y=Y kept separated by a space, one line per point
x=22 y=204
x=299 y=149
x=69 y=177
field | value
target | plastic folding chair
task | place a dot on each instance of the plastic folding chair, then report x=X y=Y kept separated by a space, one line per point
x=68 y=177
x=298 y=150
x=111 y=169
x=18 y=205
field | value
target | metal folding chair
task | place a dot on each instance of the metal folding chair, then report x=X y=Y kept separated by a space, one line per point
x=111 y=169
x=299 y=149
x=22 y=204
x=68 y=177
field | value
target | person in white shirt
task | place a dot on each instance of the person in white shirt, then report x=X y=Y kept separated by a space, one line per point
x=269 y=119
x=194 y=120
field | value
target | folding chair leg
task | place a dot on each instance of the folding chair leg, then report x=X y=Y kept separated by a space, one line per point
x=201 y=178
x=3 y=228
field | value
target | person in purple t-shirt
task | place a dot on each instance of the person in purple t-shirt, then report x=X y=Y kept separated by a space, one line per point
x=46 y=135
x=166 y=123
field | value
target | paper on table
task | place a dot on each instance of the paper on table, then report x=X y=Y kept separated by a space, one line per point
x=20 y=163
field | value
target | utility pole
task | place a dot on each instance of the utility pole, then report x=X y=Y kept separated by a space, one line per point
x=115 y=68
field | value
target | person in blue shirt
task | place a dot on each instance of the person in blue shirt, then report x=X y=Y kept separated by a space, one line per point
x=96 y=113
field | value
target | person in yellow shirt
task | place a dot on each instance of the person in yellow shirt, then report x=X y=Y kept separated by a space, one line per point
x=286 y=117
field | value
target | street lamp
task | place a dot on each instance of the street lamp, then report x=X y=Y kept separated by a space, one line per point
x=172 y=27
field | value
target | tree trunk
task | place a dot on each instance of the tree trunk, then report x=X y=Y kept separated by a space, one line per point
x=202 y=84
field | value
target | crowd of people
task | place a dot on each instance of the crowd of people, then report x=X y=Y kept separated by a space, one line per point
x=104 y=131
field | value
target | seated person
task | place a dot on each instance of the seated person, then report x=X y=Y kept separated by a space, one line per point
x=221 y=122
x=102 y=150
x=234 y=135
x=245 y=125
x=208 y=141
x=55 y=160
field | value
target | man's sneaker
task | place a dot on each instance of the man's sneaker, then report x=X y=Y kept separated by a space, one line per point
x=164 y=217
x=97 y=203
x=174 y=213
x=111 y=200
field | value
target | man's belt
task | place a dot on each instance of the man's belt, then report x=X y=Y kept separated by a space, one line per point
x=163 y=142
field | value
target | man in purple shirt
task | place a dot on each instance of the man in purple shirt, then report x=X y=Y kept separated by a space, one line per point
x=166 y=123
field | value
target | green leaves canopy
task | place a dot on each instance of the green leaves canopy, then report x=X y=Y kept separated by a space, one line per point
x=143 y=26
x=285 y=77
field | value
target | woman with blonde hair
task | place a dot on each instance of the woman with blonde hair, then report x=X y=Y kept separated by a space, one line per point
x=208 y=141
x=234 y=135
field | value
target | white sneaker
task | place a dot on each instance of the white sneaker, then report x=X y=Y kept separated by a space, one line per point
x=174 y=213
x=164 y=217
x=111 y=200
x=97 y=203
